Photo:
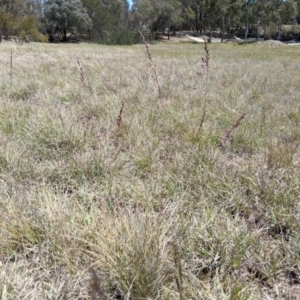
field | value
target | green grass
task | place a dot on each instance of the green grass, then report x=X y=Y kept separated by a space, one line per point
x=170 y=201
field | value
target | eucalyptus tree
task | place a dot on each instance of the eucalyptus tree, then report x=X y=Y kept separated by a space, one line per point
x=15 y=8
x=298 y=10
x=288 y=12
x=188 y=14
x=156 y=15
x=209 y=15
x=108 y=16
x=196 y=13
x=247 y=16
x=266 y=17
x=66 y=18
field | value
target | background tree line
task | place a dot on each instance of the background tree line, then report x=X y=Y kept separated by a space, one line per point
x=114 y=22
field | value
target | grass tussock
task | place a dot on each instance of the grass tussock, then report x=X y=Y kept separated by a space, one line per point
x=174 y=180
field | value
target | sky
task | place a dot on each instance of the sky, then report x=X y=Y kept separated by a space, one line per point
x=130 y=2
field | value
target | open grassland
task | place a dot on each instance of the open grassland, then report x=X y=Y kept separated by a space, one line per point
x=108 y=191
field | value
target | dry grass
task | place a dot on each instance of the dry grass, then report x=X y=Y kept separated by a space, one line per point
x=104 y=195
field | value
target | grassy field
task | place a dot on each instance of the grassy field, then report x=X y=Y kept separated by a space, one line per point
x=117 y=184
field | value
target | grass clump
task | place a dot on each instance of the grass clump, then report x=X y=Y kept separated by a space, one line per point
x=174 y=180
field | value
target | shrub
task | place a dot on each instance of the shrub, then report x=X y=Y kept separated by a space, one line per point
x=120 y=37
x=23 y=29
x=270 y=31
x=290 y=32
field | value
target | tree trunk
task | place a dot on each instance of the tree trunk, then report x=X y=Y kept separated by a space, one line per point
x=246 y=32
x=258 y=31
x=247 y=23
x=223 y=28
x=64 y=35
